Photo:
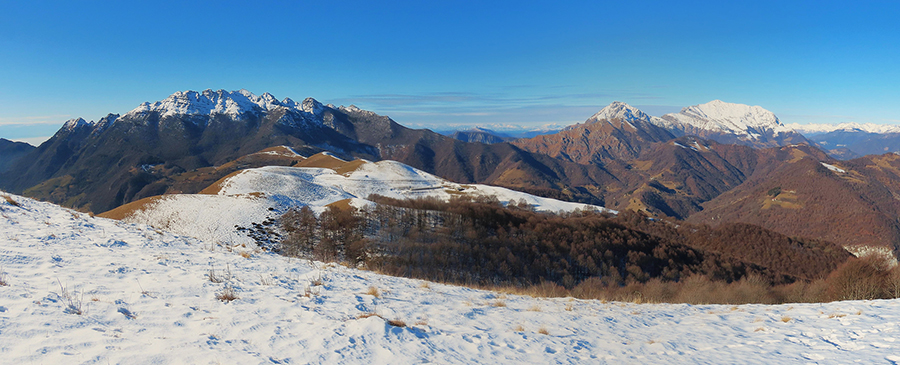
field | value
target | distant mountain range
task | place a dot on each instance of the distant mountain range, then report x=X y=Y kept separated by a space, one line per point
x=700 y=164
x=11 y=152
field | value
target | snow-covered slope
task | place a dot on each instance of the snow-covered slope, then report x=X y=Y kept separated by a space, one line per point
x=731 y=123
x=146 y=296
x=254 y=195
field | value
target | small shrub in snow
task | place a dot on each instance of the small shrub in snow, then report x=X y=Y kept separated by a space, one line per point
x=3 y=280
x=317 y=280
x=265 y=280
x=227 y=295
x=74 y=303
x=310 y=292
x=543 y=330
x=216 y=278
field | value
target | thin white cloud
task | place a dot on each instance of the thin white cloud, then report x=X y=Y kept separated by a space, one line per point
x=35 y=120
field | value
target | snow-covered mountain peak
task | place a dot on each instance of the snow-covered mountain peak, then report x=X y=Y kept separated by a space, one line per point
x=744 y=121
x=618 y=110
x=351 y=108
x=208 y=102
x=75 y=123
x=105 y=122
x=312 y=106
x=732 y=114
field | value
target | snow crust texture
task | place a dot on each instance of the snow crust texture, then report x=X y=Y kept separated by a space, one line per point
x=146 y=296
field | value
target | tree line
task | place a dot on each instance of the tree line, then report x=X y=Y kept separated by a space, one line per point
x=482 y=242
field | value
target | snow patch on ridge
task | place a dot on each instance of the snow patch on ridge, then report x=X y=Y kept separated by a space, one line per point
x=833 y=168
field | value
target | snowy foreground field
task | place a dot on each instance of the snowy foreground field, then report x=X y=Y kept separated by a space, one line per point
x=148 y=296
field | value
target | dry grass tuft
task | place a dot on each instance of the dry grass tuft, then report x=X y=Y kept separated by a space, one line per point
x=12 y=202
x=760 y=329
x=534 y=308
x=367 y=315
x=246 y=254
x=425 y=285
x=373 y=291
x=396 y=323
x=543 y=330
x=227 y=295
x=317 y=281
x=422 y=322
x=519 y=328
x=785 y=319
x=498 y=304
x=309 y=292
x=569 y=307
x=836 y=315
x=392 y=322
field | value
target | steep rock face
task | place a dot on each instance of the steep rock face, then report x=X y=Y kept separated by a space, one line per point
x=618 y=131
x=98 y=166
x=731 y=123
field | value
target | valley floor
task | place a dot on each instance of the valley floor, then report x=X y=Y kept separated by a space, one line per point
x=148 y=296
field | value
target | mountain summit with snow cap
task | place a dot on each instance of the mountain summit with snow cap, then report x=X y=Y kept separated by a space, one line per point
x=731 y=123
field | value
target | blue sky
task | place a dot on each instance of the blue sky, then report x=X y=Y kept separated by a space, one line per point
x=439 y=63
